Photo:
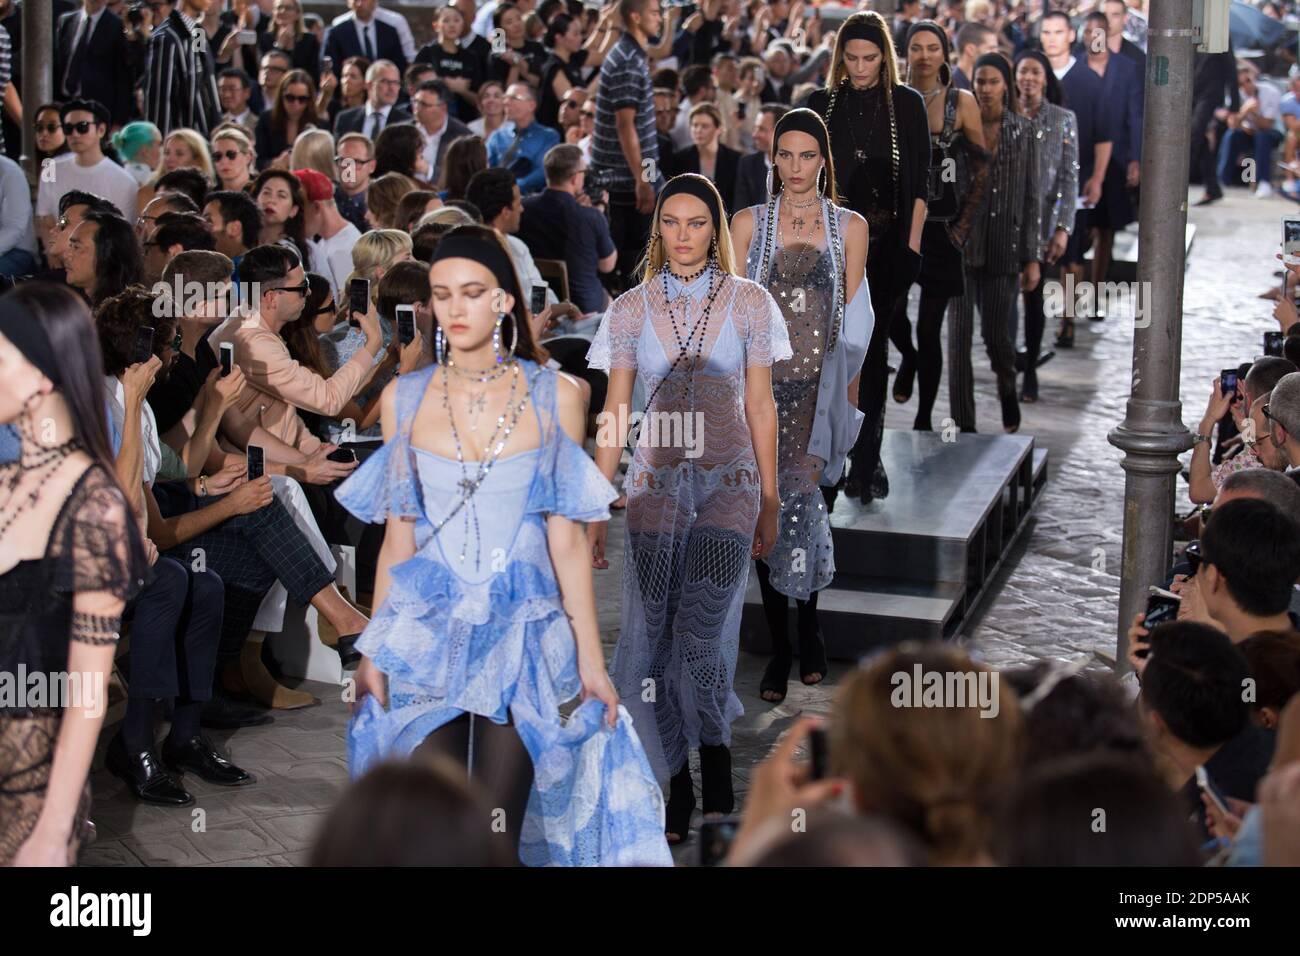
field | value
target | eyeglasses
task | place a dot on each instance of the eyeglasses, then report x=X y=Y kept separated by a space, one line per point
x=82 y=127
x=142 y=220
x=175 y=343
x=227 y=154
x=48 y=127
x=300 y=289
x=344 y=160
x=590 y=114
x=62 y=222
x=291 y=98
x=389 y=82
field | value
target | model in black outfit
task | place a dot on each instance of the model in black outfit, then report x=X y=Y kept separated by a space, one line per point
x=880 y=145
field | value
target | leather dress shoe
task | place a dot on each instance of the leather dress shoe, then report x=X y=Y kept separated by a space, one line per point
x=347 y=651
x=225 y=713
x=145 y=776
x=198 y=756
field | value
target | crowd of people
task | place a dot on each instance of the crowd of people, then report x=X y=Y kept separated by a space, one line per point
x=289 y=289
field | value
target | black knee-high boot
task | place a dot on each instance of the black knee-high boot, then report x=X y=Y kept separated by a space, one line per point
x=776 y=610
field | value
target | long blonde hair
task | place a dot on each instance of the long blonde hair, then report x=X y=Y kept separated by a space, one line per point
x=889 y=61
x=376 y=248
x=198 y=146
x=313 y=149
x=655 y=256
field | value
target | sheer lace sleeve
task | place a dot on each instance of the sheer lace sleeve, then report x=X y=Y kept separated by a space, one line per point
x=616 y=340
x=95 y=544
x=761 y=325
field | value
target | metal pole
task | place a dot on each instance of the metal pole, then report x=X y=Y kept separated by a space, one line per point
x=1153 y=435
x=38 y=74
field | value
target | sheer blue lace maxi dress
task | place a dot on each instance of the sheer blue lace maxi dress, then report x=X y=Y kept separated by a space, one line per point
x=693 y=495
x=494 y=640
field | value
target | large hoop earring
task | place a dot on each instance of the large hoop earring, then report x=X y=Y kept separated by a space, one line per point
x=496 y=340
x=439 y=344
x=771 y=181
x=822 y=179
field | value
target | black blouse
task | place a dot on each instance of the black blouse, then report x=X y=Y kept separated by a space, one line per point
x=461 y=62
x=94 y=545
x=861 y=122
x=548 y=104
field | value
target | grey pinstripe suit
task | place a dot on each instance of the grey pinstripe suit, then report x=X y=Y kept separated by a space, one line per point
x=1004 y=237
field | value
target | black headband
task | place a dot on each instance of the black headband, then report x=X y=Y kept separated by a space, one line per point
x=999 y=63
x=863 y=29
x=693 y=184
x=28 y=335
x=487 y=253
x=802 y=120
x=929 y=26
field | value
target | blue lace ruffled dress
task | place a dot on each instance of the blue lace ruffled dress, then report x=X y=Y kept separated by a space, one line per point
x=497 y=643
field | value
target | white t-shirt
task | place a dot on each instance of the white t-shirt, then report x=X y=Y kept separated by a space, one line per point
x=1270 y=105
x=105 y=179
x=332 y=257
x=150 y=445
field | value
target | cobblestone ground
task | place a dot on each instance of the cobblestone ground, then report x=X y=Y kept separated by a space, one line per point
x=1055 y=597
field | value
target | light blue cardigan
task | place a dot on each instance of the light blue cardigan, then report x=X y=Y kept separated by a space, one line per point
x=836 y=422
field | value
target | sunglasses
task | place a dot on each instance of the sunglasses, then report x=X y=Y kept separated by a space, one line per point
x=227 y=154
x=83 y=127
x=175 y=343
x=290 y=98
x=48 y=127
x=302 y=290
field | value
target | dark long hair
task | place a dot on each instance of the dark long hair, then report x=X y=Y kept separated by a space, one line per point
x=300 y=335
x=465 y=156
x=795 y=121
x=279 y=118
x=396 y=149
x=525 y=347
x=1053 y=92
x=77 y=354
x=293 y=228
x=118 y=260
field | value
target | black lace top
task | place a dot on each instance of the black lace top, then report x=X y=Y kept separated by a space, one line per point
x=94 y=545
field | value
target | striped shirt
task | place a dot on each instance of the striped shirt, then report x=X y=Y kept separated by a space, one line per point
x=624 y=81
x=6 y=72
x=180 y=80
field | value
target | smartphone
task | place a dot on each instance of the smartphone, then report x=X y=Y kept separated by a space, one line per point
x=1192 y=555
x=358 y=300
x=327 y=64
x=143 y=344
x=344 y=455
x=227 y=354
x=1210 y=789
x=818 y=750
x=1273 y=343
x=1162 y=606
x=537 y=304
x=246 y=37
x=1291 y=239
x=1228 y=381
x=740 y=109
x=256 y=462
x=716 y=837
x=406 y=324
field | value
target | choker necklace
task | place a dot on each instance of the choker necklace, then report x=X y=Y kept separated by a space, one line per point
x=490 y=374
x=804 y=205
x=687 y=279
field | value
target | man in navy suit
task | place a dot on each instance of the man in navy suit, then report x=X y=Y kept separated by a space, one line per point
x=385 y=83
x=755 y=168
x=361 y=33
x=90 y=60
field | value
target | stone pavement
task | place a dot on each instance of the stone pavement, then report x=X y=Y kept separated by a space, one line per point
x=1055 y=597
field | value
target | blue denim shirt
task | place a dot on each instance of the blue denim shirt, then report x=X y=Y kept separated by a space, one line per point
x=527 y=162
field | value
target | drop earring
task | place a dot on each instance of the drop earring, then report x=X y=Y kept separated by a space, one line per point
x=822 y=179
x=439 y=345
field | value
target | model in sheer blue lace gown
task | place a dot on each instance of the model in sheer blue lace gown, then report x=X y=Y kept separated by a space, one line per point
x=692 y=506
x=493 y=641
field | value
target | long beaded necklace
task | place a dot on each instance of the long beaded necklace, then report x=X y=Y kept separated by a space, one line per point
x=468 y=485
x=43 y=463
x=476 y=399
x=860 y=152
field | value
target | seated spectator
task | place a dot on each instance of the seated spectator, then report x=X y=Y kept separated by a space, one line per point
x=416 y=74
x=559 y=223
x=834 y=838
x=84 y=167
x=314 y=149
x=1206 y=479
x=278 y=194
x=1094 y=809
x=697 y=87
x=160 y=205
x=1274 y=661
x=1283 y=407
x=383 y=197
x=1265 y=484
x=431 y=816
x=139 y=146
x=496 y=194
x=330 y=249
x=459 y=67
x=182 y=149
x=353 y=164
x=465 y=157
x=176 y=232
x=433 y=226
x=706 y=155
x=236 y=222
x=383 y=86
x=400 y=149
x=293 y=111
x=665 y=120
x=50 y=141
x=1069 y=714
x=940 y=772
x=73 y=206
x=414 y=206
x=279 y=386
x=17 y=235
x=235 y=91
x=492 y=110
x=190 y=181
x=437 y=127
x=407 y=283
x=1253 y=129
x=102 y=257
x=467 y=207
x=521 y=143
x=233 y=159
x=1193 y=708
x=754 y=169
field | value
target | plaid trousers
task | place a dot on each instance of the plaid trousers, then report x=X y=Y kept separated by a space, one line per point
x=250 y=552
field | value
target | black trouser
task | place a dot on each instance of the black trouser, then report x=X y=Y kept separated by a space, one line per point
x=886 y=297
x=571 y=352
x=630 y=231
x=175 y=630
x=498 y=763
x=1204 y=158
x=776 y=607
x=1035 y=321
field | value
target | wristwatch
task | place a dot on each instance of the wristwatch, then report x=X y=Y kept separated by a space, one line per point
x=1197 y=439
x=203 y=486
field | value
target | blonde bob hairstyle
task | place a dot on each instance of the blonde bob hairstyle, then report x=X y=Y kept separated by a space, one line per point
x=656 y=255
x=372 y=256
x=314 y=149
x=889 y=62
x=198 y=147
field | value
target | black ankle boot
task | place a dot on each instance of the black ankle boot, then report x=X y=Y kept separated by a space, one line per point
x=681 y=804
x=715 y=779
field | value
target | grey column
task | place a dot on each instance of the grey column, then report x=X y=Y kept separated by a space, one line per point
x=38 y=73
x=1153 y=434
